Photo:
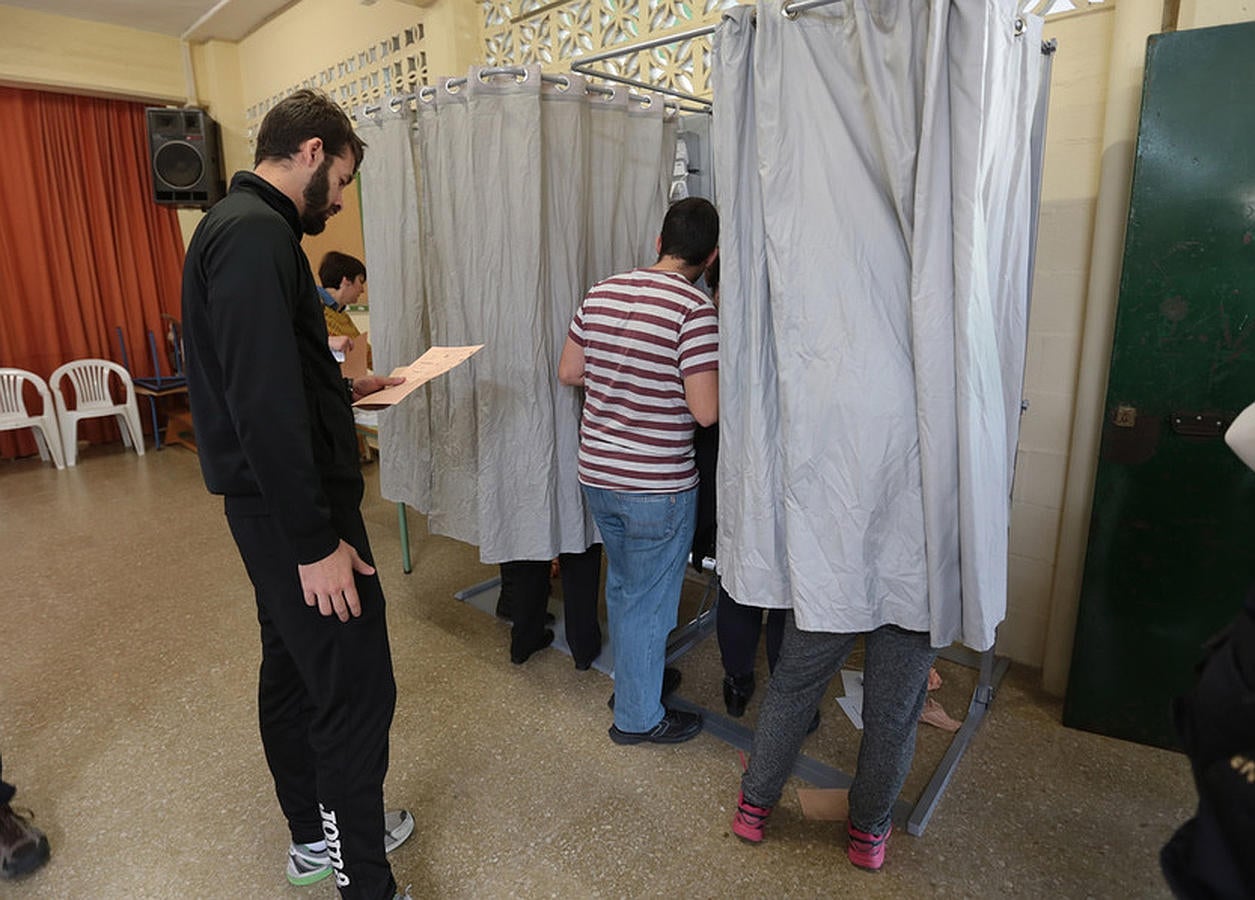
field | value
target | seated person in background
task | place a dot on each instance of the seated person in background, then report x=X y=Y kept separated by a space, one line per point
x=341 y=279
x=644 y=345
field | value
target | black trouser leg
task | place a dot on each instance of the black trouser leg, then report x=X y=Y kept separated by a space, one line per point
x=525 y=593
x=738 y=628
x=581 y=578
x=346 y=692
x=284 y=711
x=775 y=636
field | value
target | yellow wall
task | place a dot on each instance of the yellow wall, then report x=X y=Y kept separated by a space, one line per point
x=316 y=33
x=1070 y=180
x=59 y=53
x=1206 y=13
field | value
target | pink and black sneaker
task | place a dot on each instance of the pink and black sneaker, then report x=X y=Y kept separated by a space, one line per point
x=867 y=851
x=749 y=820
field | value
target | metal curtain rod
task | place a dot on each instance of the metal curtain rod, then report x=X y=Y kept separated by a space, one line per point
x=426 y=93
x=789 y=10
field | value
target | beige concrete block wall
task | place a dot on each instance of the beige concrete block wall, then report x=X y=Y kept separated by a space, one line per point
x=315 y=33
x=59 y=53
x=1208 y=13
x=1070 y=179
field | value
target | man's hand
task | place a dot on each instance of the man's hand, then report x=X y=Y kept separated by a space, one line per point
x=340 y=343
x=368 y=384
x=328 y=583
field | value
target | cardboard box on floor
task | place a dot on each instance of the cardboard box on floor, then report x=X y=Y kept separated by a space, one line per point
x=824 y=804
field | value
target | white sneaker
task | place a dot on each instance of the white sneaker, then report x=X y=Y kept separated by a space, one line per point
x=306 y=866
x=398 y=825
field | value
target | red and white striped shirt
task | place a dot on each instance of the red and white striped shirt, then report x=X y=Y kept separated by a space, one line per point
x=642 y=333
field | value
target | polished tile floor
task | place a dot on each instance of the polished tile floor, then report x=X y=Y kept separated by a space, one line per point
x=127 y=692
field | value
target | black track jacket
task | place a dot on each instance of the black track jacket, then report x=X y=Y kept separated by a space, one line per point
x=274 y=426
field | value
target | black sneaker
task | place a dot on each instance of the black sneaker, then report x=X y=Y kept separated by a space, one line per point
x=521 y=655
x=23 y=847
x=676 y=727
x=737 y=691
x=670 y=683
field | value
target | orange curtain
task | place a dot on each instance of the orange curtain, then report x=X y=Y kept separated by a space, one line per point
x=84 y=250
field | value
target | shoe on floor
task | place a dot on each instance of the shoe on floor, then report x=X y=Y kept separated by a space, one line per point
x=307 y=866
x=670 y=683
x=748 y=821
x=23 y=847
x=583 y=665
x=518 y=657
x=865 y=850
x=398 y=825
x=676 y=727
x=737 y=690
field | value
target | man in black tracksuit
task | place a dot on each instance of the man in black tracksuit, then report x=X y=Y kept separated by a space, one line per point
x=276 y=438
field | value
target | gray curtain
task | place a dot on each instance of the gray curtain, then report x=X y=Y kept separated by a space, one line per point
x=874 y=168
x=527 y=194
x=394 y=264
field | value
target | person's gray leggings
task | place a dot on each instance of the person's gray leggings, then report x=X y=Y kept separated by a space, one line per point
x=895 y=683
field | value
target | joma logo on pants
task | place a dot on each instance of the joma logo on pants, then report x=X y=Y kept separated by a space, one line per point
x=331 y=831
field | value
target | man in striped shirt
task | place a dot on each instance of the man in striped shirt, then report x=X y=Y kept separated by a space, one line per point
x=644 y=345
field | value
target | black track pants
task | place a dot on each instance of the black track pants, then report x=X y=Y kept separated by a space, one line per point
x=325 y=701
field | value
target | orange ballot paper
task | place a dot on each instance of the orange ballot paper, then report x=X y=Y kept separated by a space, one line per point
x=431 y=364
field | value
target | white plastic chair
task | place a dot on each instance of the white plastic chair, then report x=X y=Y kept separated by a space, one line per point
x=92 y=399
x=13 y=413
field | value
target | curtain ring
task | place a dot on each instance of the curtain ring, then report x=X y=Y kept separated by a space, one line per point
x=788 y=13
x=1020 y=26
x=426 y=94
x=563 y=83
x=395 y=103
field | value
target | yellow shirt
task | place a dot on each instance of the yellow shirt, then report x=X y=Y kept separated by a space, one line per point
x=339 y=322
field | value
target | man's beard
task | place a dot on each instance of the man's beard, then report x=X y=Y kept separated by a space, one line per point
x=317 y=193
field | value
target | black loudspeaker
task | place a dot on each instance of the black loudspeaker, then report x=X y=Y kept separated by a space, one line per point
x=186 y=157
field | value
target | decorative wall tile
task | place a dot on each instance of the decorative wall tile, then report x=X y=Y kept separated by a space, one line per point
x=392 y=66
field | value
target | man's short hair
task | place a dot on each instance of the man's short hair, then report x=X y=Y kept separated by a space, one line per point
x=300 y=116
x=337 y=266
x=690 y=230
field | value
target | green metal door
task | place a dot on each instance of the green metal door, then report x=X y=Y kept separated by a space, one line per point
x=1172 y=535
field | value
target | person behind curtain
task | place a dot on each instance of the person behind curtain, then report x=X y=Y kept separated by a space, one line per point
x=895 y=684
x=525 y=596
x=274 y=425
x=737 y=626
x=23 y=847
x=644 y=345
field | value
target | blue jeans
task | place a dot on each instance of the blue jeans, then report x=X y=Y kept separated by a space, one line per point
x=647 y=539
